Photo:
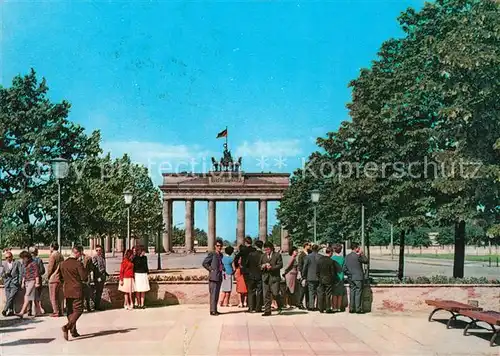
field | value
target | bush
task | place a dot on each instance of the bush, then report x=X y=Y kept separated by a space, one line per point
x=436 y=280
x=163 y=278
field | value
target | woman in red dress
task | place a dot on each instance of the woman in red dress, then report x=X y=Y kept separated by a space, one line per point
x=241 y=287
x=127 y=279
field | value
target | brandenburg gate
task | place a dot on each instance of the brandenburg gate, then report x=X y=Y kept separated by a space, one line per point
x=225 y=182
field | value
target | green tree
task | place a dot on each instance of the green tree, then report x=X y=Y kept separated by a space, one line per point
x=33 y=131
x=275 y=235
x=422 y=98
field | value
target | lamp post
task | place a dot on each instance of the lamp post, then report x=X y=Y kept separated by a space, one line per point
x=60 y=169
x=363 y=228
x=392 y=243
x=315 y=199
x=127 y=196
x=491 y=236
x=158 y=239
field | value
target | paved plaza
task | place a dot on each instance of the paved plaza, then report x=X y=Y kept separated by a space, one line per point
x=189 y=330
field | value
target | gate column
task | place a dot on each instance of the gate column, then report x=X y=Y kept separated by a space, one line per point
x=263 y=220
x=189 y=222
x=240 y=227
x=211 y=225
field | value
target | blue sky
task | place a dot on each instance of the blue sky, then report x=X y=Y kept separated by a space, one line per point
x=161 y=78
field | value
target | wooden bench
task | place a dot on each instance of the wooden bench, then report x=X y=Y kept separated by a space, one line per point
x=490 y=317
x=455 y=308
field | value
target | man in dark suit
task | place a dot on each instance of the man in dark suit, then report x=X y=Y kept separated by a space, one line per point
x=12 y=277
x=271 y=264
x=304 y=293
x=327 y=276
x=254 y=285
x=243 y=253
x=213 y=264
x=73 y=275
x=309 y=272
x=353 y=268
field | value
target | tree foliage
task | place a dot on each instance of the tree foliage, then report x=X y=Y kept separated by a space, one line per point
x=33 y=131
x=420 y=149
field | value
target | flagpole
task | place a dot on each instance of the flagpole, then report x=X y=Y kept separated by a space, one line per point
x=226 y=136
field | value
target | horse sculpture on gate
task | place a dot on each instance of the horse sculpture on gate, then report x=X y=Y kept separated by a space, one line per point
x=226 y=163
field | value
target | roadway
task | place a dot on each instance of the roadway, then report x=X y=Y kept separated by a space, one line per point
x=381 y=266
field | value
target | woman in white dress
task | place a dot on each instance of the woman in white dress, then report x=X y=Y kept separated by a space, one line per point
x=127 y=285
x=141 y=271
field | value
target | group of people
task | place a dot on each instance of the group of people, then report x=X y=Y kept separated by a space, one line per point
x=27 y=274
x=76 y=281
x=257 y=269
x=310 y=277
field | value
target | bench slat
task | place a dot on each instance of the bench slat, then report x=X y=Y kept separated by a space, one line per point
x=489 y=316
x=451 y=305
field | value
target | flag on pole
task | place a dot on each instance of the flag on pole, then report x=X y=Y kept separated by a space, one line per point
x=222 y=134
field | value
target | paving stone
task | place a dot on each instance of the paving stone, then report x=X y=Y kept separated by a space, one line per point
x=190 y=331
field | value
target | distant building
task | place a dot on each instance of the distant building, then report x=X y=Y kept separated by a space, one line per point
x=433 y=237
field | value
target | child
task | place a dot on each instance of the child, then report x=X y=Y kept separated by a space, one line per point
x=241 y=287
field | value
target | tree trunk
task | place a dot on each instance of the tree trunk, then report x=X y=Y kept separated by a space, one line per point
x=29 y=229
x=459 y=255
x=401 y=265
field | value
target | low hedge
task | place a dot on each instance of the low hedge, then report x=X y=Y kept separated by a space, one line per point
x=409 y=280
x=436 y=280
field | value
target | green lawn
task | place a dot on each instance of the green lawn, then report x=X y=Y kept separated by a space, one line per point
x=449 y=256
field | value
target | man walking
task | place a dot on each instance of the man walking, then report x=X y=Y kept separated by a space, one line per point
x=100 y=275
x=12 y=277
x=53 y=275
x=353 y=268
x=310 y=274
x=254 y=285
x=213 y=264
x=73 y=276
x=327 y=275
x=271 y=264
x=303 y=294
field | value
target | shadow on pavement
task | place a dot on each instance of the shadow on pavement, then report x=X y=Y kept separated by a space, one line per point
x=28 y=342
x=478 y=331
x=105 y=333
x=14 y=321
x=455 y=324
x=296 y=312
x=231 y=311
x=12 y=330
x=484 y=334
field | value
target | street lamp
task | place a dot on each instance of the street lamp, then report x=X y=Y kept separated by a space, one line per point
x=127 y=196
x=315 y=199
x=60 y=168
x=491 y=237
x=158 y=238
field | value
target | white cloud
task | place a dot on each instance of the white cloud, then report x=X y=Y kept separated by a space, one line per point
x=278 y=148
x=144 y=152
x=160 y=158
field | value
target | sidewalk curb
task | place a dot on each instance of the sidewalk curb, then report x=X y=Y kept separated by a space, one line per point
x=428 y=263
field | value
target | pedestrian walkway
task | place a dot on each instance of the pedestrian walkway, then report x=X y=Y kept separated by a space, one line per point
x=189 y=330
